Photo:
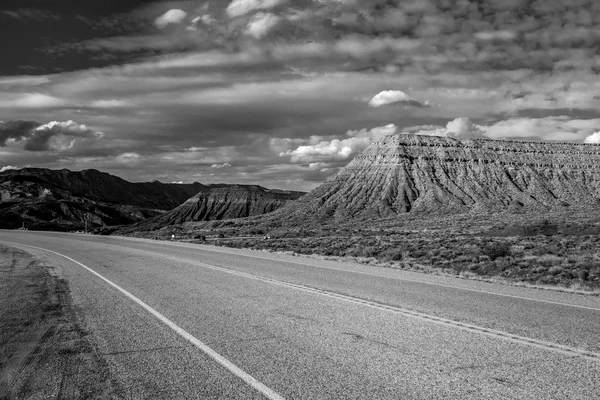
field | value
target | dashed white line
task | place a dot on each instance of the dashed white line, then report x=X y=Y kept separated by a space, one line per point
x=235 y=370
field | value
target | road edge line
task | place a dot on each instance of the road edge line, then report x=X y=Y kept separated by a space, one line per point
x=235 y=370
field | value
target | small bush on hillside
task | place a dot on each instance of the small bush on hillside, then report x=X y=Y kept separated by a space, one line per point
x=395 y=255
x=496 y=250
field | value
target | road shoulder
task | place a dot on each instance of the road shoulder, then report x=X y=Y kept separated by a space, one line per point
x=44 y=351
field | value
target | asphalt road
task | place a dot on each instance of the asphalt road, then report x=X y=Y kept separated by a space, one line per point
x=177 y=320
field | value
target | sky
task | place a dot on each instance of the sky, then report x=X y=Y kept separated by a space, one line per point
x=284 y=93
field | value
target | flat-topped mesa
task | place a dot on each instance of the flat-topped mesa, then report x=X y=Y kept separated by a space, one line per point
x=505 y=152
x=408 y=173
x=220 y=202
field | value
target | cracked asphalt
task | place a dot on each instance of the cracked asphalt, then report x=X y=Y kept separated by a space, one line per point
x=306 y=345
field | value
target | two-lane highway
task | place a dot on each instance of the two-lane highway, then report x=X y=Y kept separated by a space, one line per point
x=178 y=320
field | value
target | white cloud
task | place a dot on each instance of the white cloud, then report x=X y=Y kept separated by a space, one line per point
x=464 y=127
x=241 y=7
x=336 y=149
x=29 y=100
x=59 y=136
x=7 y=167
x=496 y=35
x=560 y=128
x=127 y=158
x=71 y=127
x=593 y=138
x=219 y=166
x=174 y=16
x=460 y=128
x=261 y=24
x=388 y=97
x=111 y=103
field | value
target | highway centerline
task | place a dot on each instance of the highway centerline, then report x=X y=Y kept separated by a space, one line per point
x=545 y=345
x=423 y=282
x=523 y=340
x=235 y=370
x=380 y=276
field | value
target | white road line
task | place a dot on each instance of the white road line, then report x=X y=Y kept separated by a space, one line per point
x=250 y=380
x=182 y=245
x=549 y=346
x=545 y=345
x=405 y=280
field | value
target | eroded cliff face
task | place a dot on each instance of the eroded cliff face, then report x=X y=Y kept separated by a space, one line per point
x=216 y=203
x=411 y=173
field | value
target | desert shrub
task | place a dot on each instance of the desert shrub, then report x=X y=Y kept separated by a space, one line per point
x=567 y=274
x=394 y=254
x=496 y=250
x=418 y=253
x=555 y=270
x=549 y=260
x=516 y=250
x=362 y=251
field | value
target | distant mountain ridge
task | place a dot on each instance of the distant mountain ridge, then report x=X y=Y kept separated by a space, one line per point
x=94 y=185
x=63 y=199
x=408 y=173
x=221 y=202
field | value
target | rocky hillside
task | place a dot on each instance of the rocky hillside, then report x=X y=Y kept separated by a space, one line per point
x=410 y=173
x=221 y=202
x=27 y=183
x=61 y=199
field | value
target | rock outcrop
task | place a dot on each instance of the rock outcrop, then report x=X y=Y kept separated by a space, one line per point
x=411 y=173
x=221 y=202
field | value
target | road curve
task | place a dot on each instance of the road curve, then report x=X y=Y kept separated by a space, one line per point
x=178 y=320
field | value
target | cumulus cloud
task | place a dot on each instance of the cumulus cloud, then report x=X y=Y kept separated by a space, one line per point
x=54 y=135
x=174 y=16
x=459 y=128
x=7 y=167
x=238 y=8
x=560 y=128
x=339 y=149
x=398 y=97
x=593 y=138
x=261 y=24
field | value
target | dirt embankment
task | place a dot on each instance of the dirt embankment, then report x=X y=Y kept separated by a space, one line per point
x=44 y=352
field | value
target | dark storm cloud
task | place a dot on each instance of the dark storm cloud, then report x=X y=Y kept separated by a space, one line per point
x=17 y=130
x=30 y=14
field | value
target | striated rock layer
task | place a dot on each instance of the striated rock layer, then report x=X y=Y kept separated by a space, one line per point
x=218 y=203
x=411 y=173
